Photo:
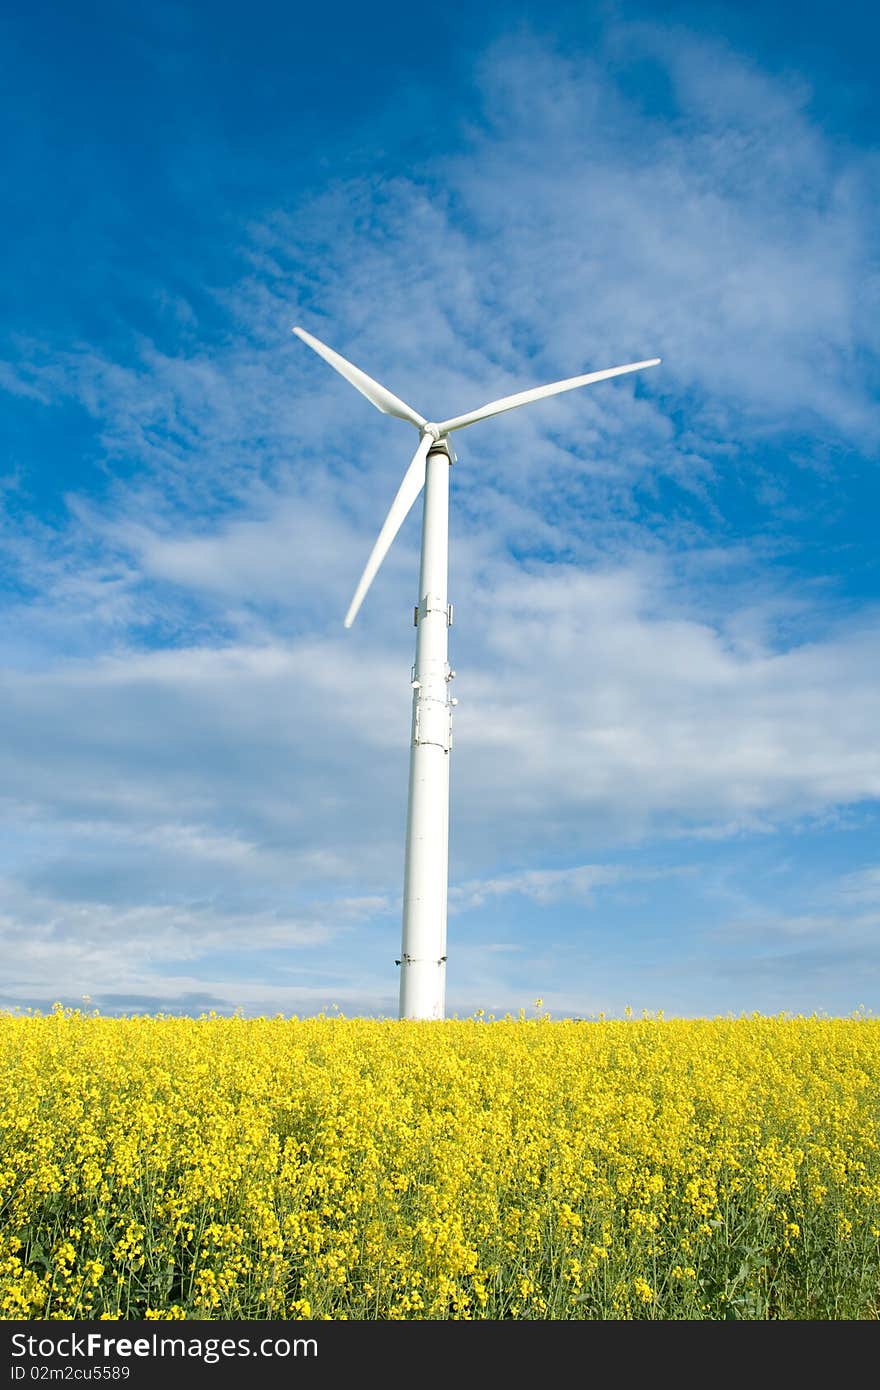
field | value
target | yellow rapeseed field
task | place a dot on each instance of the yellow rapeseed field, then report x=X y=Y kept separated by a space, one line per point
x=503 y=1169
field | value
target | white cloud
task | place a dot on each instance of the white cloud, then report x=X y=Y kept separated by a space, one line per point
x=546 y=886
x=862 y=886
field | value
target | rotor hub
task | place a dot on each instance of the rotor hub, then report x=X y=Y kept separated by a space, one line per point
x=440 y=441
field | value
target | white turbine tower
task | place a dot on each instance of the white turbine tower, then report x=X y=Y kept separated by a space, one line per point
x=423 y=952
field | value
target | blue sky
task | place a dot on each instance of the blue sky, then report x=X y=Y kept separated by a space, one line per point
x=666 y=771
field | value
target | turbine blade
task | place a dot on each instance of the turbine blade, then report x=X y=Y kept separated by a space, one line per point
x=538 y=393
x=413 y=482
x=382 y=398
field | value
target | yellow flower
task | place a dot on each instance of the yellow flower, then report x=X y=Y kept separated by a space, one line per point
x=214 y=1168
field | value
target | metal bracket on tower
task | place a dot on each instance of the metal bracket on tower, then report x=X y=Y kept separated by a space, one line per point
x=433 y=723
x=428 y=605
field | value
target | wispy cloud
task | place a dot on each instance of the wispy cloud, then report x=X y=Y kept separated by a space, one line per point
x=862 y=886
x=545 y=886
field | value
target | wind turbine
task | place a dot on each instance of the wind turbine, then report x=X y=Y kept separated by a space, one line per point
x=423 y=951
